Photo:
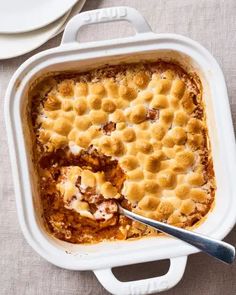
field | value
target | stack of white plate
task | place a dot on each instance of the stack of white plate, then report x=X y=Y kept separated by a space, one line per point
x=27 y=24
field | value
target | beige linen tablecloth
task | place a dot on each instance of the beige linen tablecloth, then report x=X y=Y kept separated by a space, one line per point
x=22 y=271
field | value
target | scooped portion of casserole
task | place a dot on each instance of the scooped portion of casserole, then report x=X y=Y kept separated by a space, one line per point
x=133 y=134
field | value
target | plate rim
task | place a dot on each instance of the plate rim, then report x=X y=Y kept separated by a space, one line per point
x=58 y=23
x=42 y=24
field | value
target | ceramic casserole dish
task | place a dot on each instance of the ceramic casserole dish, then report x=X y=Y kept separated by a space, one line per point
x=72 y=55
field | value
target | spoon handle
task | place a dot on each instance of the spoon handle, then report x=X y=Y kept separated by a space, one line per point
x=218 y=249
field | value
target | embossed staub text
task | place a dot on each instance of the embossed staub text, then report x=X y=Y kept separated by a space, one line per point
x=108 y=14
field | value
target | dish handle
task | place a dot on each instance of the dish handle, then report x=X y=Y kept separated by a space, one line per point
x=146 y=286
x=104 y=15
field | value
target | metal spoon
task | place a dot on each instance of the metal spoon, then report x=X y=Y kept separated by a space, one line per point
x=218 y=249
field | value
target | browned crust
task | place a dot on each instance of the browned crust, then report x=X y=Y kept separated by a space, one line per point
x=77 y=229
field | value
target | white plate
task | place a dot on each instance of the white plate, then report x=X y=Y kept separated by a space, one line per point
x=17 y=16
x=13 y=45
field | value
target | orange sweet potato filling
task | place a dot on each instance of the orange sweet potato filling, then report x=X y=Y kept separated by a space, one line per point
x=68 y=225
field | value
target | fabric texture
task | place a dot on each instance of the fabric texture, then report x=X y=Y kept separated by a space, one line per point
x=23 y=272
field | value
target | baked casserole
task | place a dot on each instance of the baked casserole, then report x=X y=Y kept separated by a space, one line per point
x=133 y=134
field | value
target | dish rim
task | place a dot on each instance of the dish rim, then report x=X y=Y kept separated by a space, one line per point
x=36 y=60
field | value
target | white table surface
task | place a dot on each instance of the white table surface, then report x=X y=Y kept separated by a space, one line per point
x=22 y=271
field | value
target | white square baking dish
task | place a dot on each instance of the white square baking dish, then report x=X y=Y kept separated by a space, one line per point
x=71 y=56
